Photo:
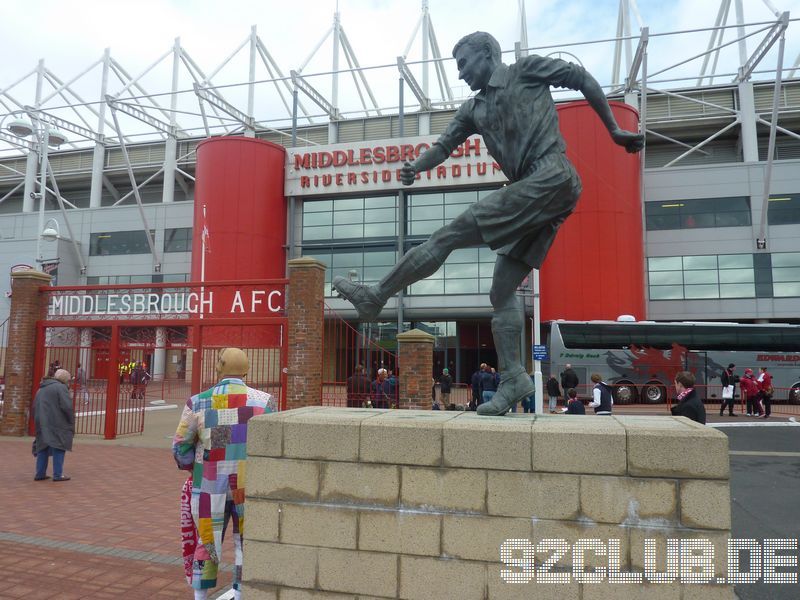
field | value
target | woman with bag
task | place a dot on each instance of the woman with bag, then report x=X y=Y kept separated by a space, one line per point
x=728 y=380
x=765 y=391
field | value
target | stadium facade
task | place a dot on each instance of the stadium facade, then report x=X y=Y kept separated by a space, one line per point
x=705 y=227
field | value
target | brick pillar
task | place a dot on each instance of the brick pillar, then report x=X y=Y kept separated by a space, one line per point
x=306 y=314
x=416 y=369
x=27 y=307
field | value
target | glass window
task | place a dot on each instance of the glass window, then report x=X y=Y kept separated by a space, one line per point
x=786 y=259
x=665 y=263
x=701 y=291
x=666 y=278
x=350 y=218
x=178 y=240
x=786 y=274
x=362 y=265
x=695 y=277
x=784 y=209
x=698 y=277
x=735 y=261
x=736 y=275
x=782 y=290
x=737 y=290
x=693 y=214
x=112 y=243
x=699 y=262
x=429 y=212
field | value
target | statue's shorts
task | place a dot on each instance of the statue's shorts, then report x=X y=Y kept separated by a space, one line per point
x=521 y=219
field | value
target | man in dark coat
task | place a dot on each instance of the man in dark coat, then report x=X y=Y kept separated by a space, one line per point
x=688 y=405
x=569 y=380
x=358 y=385
x=54 y=419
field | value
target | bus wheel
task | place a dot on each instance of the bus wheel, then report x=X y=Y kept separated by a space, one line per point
x=794 y=394
x=654 y=392
x=625 y=393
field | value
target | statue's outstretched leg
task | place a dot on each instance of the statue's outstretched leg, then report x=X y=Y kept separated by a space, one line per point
x=418 y=263
x=507 y=328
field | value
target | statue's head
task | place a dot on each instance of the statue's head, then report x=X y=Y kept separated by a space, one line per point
x=477 y=55
x=232 y=362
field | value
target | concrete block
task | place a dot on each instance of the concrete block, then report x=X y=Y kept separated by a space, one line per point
x=351 y=571
x=533 y=495
x=572 y=531
x=674 y=449
x=607 y=591
x=401 y=532
x=298 y=594
x=706 y=504
x=443 y=489
x=479 y=537
x=282 y=479
x=279 y=564
x=580 y=444
x=265 y=432
x=717 y=540
x=406 y=437
x=499 y=589
x=709 y=592
x=254 y=591
x=359 y=483
x=427 y=578
x=626 y=499
x=323 y=526
x=263 y=520
x=324 y=434
x=475 y=442
x=265 y=435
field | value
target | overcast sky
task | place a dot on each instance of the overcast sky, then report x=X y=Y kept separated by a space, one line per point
x=71 y=34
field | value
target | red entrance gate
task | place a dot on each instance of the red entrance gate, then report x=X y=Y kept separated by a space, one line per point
x=108 y=338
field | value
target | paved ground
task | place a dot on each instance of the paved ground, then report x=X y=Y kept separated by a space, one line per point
x=112 y=532
x=765 y=490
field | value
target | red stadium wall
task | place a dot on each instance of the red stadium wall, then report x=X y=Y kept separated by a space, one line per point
x=595 y=269
x=240 y=183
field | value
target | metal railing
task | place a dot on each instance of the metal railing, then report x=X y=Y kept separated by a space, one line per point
x=344 y=348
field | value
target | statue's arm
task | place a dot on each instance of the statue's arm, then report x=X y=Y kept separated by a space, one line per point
x=459 y=129
x=591 y=90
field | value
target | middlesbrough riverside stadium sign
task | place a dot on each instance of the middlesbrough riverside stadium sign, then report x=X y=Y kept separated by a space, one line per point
x=374 y=165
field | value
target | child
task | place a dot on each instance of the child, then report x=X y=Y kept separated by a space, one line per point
x=575 y=406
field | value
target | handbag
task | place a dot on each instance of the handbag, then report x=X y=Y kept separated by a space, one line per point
x=727 y=392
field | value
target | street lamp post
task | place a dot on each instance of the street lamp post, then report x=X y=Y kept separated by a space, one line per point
x=44 y=137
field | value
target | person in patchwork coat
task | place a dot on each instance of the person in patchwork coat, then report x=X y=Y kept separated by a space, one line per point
x=211 y=441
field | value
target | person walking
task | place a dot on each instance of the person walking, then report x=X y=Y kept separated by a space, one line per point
x=765 y=391
x=728 y=380
x=749 y=388
x=569 y=380
x=602 y=400
x=357 y=386
x=211 y=438
x=688 y=403
x=445 y=386
x=54 y=422
x=81 y=383
x=488 y=384
x=553 y=392
x=475 y=384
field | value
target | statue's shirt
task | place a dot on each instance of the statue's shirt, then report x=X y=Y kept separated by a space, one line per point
x=516 y=114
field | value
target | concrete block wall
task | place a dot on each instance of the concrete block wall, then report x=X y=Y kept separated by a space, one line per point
x=380 y=504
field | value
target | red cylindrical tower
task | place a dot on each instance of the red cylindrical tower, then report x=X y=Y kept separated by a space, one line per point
x=240 y=186
x=595 y=269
